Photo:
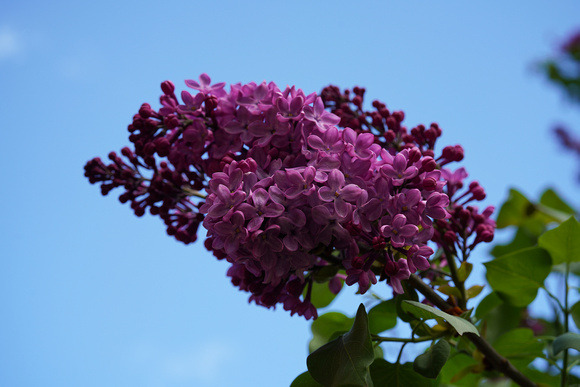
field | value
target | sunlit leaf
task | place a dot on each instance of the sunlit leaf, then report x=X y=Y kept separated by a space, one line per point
x=460 y=369
x=523 y=238
x=428 y=312
x=305 y=380
x=325 y=326
x=464 y=271
x=320 y=296
x=345 y=360
x=474 y=291
x=516 y=277
x=551 y=199
x=513 y=210
x=563 y=242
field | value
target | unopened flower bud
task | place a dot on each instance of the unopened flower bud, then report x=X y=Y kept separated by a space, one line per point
x=168 y=87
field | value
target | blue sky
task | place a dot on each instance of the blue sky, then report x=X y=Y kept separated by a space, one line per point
x=93 y=296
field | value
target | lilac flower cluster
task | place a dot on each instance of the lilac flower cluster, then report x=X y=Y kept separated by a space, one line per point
x=290 y=191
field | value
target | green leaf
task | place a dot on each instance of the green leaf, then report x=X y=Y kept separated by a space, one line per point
x=398 y=375
x=325 y=326
x=520 y=346
x=474 y=291
x=498 y=317
x=383 y=316
x=518 y=210
x=566 y=341
x=575 y=312
x=464 y=271
x=489 y=302
x=523 y=238
x=346 y=360
x=321 y=296
x=514 y=209
x=516 y=277
x=551 y=199
x=459 y=368
x=429 y=364
x=563 y=242
x=305 y=380
x=410 y=295
x=449 y=291
x=428 y=312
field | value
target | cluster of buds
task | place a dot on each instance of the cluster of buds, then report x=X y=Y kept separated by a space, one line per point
x=292 y=187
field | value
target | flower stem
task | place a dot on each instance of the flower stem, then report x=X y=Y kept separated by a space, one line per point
x=499 y=362
x=564 y=380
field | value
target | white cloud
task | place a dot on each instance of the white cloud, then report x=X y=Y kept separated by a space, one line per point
x=10 y=43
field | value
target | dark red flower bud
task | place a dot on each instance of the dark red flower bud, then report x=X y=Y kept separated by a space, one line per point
x=390 y=136
x=145 y=111
x=450 y=237
x=211 y=103
x=399 y=116
x=429 y=184
x=384 y=112
x=428 y=164
x=162 y=146
x=168 y=87
x=414 y=155
x=379 y=243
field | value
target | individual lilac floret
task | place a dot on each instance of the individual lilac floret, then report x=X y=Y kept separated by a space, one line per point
x=399 y=230
x=260 y=208
x=205 y=86
x=338 y=193
x=324 y=120
x=230 y=234
x=397 y=272
x=399 y=171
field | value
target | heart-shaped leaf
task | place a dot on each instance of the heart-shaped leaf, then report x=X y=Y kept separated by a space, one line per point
x=305 y=380
x=345 y=360
x=429 y=364
x=563 y=242
x=398 y=375
x=516 y=277
x=325 y=326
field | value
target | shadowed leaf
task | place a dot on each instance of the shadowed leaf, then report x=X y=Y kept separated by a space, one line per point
x=345 y=360
x=567 y=340
x=429 y=364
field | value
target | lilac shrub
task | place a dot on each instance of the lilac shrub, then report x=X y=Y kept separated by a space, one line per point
x=293 y=187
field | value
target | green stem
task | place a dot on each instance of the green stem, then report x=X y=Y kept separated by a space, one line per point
x=499 y=362
x=566 y=327
x=459 y=284
x=401 y=340
x=553 y=297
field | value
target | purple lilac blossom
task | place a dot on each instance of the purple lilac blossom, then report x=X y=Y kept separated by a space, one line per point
x=287 y=184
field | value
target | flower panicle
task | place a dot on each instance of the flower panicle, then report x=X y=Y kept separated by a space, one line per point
x=287 y=184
